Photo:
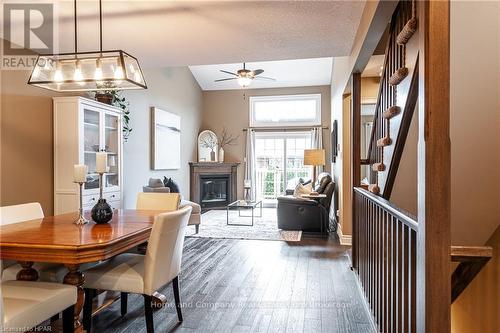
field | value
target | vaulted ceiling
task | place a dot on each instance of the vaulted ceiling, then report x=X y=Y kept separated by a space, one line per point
x=178 y=33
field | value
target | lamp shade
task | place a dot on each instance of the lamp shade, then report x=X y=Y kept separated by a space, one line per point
x=87 y=71
x=314 y=157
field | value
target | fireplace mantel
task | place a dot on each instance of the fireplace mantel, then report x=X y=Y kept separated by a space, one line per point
x=203 y=170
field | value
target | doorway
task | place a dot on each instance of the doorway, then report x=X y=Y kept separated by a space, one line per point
x=279 y=160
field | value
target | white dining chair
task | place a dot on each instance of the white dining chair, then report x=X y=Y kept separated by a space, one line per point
x=143 y=274
x=26 y=304
x=48 y=272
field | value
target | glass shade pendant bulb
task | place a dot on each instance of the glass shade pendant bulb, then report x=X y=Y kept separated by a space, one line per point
x=98 y=70
x=77 y=76
x=244 y=81
x=118 y=72
x=58 y=76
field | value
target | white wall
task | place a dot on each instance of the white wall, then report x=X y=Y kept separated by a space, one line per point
x=172 y=89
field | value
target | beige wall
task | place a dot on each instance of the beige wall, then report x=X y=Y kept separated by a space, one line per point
x=173 y=89
x=229 y=109
x=475 y=153
x=404 y=192
x=26 y=142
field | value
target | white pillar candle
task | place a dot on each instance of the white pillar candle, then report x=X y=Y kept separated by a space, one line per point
x=101 y=162
x=80 y=173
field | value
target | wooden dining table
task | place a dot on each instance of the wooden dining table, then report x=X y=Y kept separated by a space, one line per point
x=56 y=239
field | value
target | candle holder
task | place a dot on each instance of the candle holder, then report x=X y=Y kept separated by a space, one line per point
x=81 y=220
x=101 y=212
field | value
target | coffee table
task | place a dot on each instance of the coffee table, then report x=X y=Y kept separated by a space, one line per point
x=244 y=205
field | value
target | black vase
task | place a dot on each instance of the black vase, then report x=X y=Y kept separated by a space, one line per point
x=102 y=212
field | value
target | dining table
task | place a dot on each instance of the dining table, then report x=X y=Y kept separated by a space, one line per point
x=57 y=239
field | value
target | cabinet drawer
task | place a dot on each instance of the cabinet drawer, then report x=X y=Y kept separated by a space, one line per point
x=112 y=196
x=90 y=200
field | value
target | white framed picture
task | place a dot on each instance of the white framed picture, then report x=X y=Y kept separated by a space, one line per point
x=165 y=140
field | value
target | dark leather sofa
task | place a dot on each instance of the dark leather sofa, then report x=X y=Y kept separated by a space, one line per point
x=311 y=215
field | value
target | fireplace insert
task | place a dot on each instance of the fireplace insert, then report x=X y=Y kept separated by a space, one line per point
x=215 y=191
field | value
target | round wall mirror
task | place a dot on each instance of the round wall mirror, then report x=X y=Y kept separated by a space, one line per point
x=207 y=146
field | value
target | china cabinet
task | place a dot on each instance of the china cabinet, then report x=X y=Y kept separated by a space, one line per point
x=83 y=127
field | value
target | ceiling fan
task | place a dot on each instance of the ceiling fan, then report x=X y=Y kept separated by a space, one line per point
x=245 y=76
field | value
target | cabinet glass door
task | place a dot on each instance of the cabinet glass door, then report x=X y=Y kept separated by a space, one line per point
x=91 y=134
x=112 y=136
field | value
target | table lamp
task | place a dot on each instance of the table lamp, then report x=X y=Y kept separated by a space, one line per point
x=314 y=157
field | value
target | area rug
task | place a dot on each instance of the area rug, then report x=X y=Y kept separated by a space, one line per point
x=214 y=225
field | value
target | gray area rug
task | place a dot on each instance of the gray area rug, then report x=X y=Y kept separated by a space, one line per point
x=214 y=225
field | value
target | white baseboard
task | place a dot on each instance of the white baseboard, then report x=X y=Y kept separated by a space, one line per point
x=344 y=239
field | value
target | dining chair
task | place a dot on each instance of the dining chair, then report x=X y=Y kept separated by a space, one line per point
x=158 y=201
x=143 y=274
x=26 y=304
x=48 y=272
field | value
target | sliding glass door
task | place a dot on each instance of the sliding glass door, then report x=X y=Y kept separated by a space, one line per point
x=279 y=160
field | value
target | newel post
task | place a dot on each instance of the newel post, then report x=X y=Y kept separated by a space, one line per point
x=434 y=226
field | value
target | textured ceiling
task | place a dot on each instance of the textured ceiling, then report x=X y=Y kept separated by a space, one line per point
x=175 y=33
x=288 y=73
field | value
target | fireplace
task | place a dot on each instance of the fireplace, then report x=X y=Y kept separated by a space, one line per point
x=213 y=185
x=215 y=190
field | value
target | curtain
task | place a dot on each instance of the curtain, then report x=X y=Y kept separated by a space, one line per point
x=317 y=143
x=250 y=161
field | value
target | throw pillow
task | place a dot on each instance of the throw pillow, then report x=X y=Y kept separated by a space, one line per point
x=174 y=188
x=302 y=189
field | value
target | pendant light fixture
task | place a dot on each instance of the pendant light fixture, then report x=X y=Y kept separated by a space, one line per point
x=87 y=71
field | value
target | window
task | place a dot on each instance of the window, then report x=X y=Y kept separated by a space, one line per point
x=286 y=110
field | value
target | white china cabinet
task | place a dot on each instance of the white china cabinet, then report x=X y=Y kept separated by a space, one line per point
x=83 y=127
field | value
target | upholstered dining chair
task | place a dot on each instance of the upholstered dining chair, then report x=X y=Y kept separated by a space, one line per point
x=48 y=272
x=158 y=201
x=143 y=274
x=26 y=304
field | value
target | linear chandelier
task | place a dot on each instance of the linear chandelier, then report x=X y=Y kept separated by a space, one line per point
x=88 y=71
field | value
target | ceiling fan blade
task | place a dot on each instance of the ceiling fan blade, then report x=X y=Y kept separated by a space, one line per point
x=231 y=78
x=265 y=78
x=223 y=71
x=258 y=71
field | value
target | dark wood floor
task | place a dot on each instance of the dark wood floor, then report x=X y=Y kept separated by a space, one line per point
x=255 y=286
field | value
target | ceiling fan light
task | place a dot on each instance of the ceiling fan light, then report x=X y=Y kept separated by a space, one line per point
x=244 y=81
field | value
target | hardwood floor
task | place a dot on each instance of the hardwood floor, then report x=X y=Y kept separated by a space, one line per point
x=255 y=286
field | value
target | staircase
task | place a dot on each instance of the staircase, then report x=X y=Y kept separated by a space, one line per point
x=396 y=100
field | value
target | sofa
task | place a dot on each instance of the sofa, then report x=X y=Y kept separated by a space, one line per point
x=157 y=185
x=310 y=215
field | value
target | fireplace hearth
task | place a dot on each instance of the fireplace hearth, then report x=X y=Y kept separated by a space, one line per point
x=213 y=185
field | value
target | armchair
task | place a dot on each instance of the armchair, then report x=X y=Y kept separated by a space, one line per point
x=307 y=214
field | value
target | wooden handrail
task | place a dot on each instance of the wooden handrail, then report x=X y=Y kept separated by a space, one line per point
x=402 y=215
x=472 y=259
